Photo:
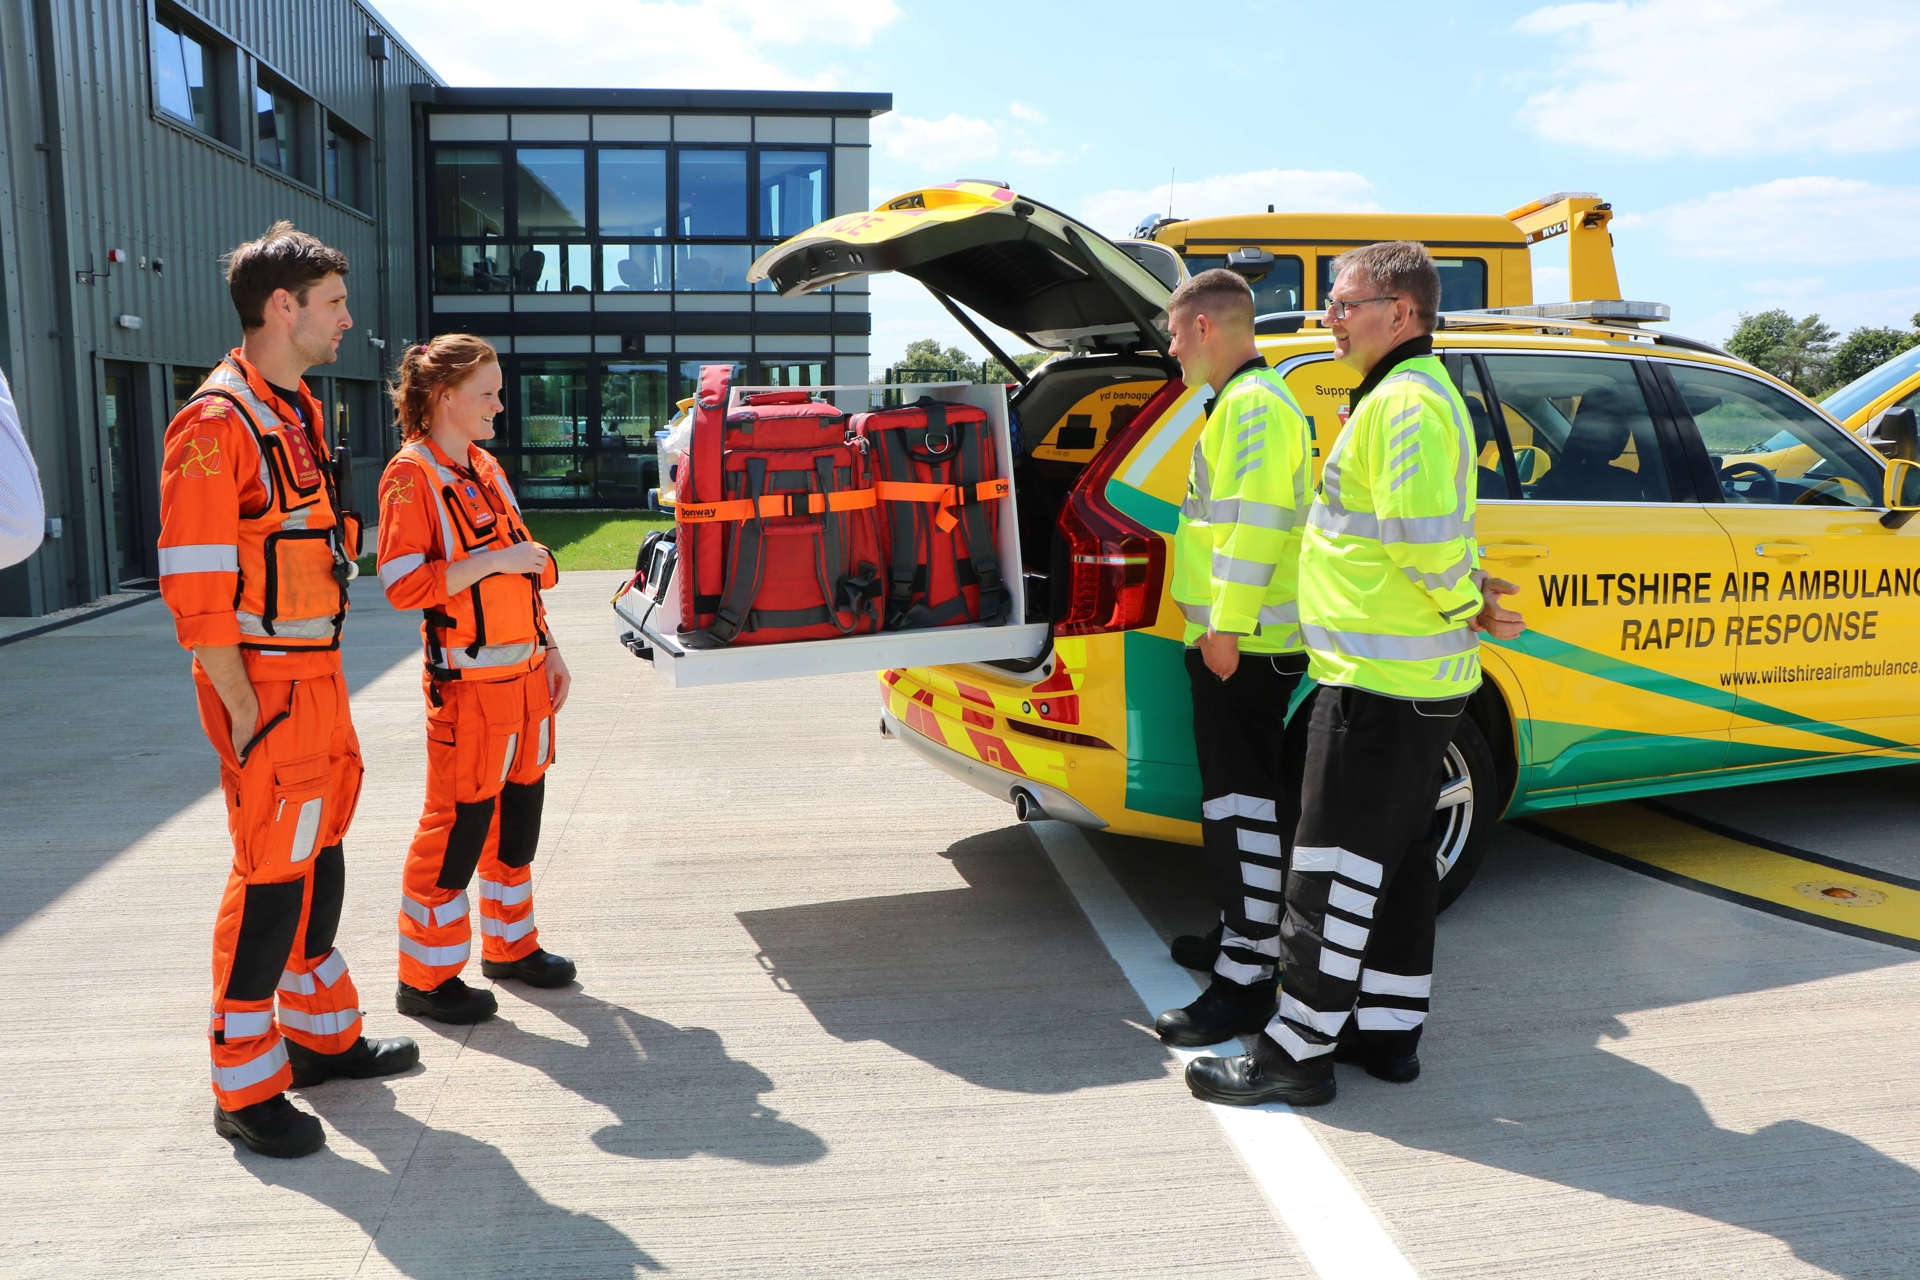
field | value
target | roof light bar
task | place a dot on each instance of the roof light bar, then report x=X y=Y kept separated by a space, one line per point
x=1618 y=310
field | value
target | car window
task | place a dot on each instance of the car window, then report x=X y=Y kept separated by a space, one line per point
x=1768 y=447
x=1579 y=429
x=1278 y=290
x=1491 y=480
x=1873 y=384
x=1463 y=282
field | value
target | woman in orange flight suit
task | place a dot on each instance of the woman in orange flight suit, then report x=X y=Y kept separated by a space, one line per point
x=453 y=545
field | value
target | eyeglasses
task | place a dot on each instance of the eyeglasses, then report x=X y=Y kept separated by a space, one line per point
x=1337 y=308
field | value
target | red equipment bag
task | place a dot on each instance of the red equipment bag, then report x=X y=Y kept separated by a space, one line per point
x=775 y=521
x=937 y=477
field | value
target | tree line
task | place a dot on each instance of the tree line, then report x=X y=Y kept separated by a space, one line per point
x=925 y=357
x=1809 y=356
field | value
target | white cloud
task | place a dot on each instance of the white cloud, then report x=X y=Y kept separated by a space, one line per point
x=1818 y=221
x=1552 y=284
x=944 y=145
x=1021 y=111
x=720 y=44
x=1116 y=213
x=1032 y=158
x=1728 y=77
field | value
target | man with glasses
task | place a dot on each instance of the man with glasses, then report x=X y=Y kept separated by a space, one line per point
x=1234 y=556
x=1392 y=607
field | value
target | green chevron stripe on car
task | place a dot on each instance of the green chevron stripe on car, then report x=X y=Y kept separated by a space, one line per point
x=1163 y=776
x=1560 y=653
x=1143 y=508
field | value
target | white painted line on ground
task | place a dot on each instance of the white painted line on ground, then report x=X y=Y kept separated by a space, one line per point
x=1311 y=1196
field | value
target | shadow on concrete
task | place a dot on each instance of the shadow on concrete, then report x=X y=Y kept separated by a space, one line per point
x=990 y=982
x=106 y=742
x=1518 y=1076
x=480 y=1218
x=675 y=1091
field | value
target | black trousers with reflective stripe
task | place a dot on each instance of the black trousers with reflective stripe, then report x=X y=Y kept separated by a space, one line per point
x=1357 y=937
x=1239 y=736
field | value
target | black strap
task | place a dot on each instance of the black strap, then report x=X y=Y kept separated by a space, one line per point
x=749 y=561
x=976 y=527
x=830 y=555
x=906 y=521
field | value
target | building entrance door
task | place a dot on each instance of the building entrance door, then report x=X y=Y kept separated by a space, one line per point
x=133 y=490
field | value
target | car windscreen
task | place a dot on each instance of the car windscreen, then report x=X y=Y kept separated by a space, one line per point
x=1871 y=385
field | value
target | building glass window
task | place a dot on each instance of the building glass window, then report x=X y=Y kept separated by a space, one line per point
x=551 y=184
x=635 y=268
x=471 y=268
x=711 y=268
x=690 y=373
x=554 y=412
x=346 y=158
x=793 y=191
x=635 y=401
x=276 y=114
x=185 y=382
x=469 y=192
x=793 y=373
x=713 y=192
x=181 y=85
x=552 y=268
x=633 y=192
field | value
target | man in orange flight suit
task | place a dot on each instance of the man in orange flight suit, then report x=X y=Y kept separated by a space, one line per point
x=255 y=554
x=453 y=545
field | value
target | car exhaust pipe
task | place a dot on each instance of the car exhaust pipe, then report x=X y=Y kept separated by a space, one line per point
x=1025 y=807
x=884 y=732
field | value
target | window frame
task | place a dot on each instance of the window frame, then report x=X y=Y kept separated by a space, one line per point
x=360 y=152
x=303 y=109
x=220 y=57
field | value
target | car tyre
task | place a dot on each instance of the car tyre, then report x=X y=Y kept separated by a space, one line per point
x=1470 y=803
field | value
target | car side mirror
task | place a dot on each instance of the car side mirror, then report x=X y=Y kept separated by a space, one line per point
x=1893 y=433
x=1250 y=263
x=1531 y=462
x=1901 y=496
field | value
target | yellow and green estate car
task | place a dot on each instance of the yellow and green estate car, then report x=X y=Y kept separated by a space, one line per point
x=1695 y=617
x=1894 y=384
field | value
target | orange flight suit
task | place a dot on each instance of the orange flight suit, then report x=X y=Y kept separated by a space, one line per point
x=255 y=551
x=489 y=715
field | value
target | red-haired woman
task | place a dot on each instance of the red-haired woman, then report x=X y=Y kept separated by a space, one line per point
x=453 y=545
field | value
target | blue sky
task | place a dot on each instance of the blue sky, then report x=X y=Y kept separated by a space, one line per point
x=1757 y=153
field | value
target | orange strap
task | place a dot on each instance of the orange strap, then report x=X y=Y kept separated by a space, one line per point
x=948 y=496
x=773 y=504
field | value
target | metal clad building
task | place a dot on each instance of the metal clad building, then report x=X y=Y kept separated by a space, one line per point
x=598 y=236
x=169 y=133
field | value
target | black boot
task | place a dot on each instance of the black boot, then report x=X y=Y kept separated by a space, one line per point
x=273 y=1128
x=1380 y=1061
x=536 y=969
x=1265 y=1075
x=452 y=1001
x=1197 y=950
x=1224 y=1010
x=367 y=1058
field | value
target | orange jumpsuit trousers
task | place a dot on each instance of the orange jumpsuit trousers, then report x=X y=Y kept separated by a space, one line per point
x=489 y=743
x=288 y=806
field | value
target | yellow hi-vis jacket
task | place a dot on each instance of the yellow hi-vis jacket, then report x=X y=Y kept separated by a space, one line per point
x=1237 y=547
x=1388 y=561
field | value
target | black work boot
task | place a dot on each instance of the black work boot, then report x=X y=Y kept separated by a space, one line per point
x=536 y=969
x=367 y=1058
x=1381 y=1061
x=1265 y=1075
x=273 y=1128
x=1224 y=1010
x=452 y=1001
x=1197 y=950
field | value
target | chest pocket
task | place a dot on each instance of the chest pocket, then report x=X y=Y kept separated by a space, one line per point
x=474 y=516
x=296 y=470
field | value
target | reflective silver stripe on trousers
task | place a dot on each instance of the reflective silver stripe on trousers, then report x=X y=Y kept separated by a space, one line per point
x=507 y=895
x=506 y=765
x=492 y=655
x=1238 y=806
x=1360 y=644
x=1375 y=1017
x=1413 y=530
x=1345 y=933
x=435 y=956
x=247 y=1024
x=1338 y=964
x=1397 y=984
x=546 y=740
x=1335 y=860
x=307 y=831
x=391 y=571
x=248 y=1074
x=324 y=974
x=332 y=1023
x=1327 y=1024
x=1246 y=573
x=210 y=557
x=1289 y=1039
x=1269 y=947
x=444 y=914
x=506 y=930
x=1264 y=843
x=1355 y=902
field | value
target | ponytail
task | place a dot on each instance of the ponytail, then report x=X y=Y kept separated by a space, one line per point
x=426 y=369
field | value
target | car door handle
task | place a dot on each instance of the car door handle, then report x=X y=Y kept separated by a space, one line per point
x=1781 y=550
x=1514 y=551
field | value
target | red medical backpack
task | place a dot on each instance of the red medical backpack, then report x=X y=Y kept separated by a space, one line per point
x=937 y=477
x=774 y=520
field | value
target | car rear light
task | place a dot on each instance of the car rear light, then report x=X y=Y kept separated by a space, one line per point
x=1115 y=565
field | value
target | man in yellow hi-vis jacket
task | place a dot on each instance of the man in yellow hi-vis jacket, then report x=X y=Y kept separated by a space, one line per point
x=1234 y=558
x=1392 y=607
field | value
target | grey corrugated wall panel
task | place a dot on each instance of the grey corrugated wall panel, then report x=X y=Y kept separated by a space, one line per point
x=133 y=181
